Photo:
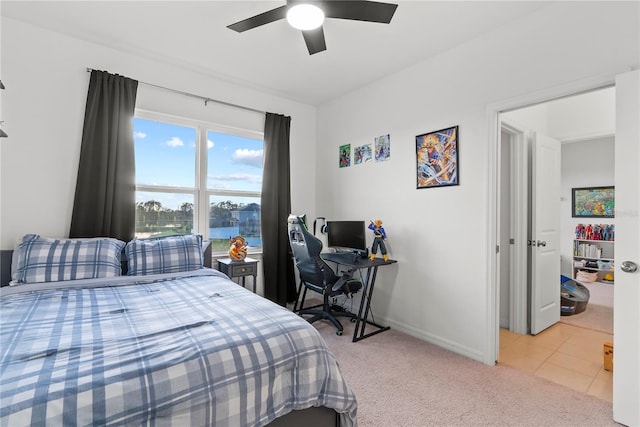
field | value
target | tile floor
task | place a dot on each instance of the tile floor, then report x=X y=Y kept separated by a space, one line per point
x=565 y=354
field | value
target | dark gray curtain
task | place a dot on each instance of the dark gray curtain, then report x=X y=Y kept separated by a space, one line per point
x=104 y=203
x=279 y=279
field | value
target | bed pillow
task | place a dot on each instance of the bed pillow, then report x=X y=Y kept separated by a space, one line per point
x=169 y=254
x=40 y=259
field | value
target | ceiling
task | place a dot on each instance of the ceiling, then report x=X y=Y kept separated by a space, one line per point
x=272 y=58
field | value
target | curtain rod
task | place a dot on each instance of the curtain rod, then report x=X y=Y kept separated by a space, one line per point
x=206 y=99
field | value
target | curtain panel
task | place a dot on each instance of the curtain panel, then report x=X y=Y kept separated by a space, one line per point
x=279 y=279
x=104 y=203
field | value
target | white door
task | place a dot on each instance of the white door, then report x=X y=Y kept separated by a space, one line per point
x=626 y=305
x=545 y=232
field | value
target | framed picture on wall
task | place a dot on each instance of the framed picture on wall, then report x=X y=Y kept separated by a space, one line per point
x=593 y=202
x=437 y=158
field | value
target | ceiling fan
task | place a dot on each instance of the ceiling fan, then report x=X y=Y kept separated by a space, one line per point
x=313 y=13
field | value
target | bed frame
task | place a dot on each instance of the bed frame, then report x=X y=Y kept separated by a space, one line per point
x=310 y=417
x=5 y=267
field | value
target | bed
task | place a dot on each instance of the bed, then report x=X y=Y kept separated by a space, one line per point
x=174 y=348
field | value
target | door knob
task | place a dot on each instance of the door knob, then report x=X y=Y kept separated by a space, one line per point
x=541 y=243
x=629 y=267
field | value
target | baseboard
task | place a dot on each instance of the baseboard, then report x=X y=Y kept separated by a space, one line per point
x=434 y=339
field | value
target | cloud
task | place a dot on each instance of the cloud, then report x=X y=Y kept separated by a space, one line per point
x=139 y=135
x=210 y=144
x=248 y=157
x=175 y=142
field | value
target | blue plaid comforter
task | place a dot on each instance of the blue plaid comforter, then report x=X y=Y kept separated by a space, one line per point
x=189 y=351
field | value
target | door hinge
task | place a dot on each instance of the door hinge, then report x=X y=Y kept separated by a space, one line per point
x=497 y=249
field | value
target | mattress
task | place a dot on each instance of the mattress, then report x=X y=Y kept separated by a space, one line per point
x=180 y=349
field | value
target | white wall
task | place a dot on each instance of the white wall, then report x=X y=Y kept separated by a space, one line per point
x=43 y=106
x=587 y=116
x=574 y=118
x=584 y=164
x=438 y=290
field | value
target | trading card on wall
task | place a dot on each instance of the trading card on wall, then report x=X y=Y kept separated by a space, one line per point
x=345 y=156
x=383 y=148
x=362 y=154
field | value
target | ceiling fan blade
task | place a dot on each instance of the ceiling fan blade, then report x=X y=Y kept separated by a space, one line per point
x=370 y=11
x=258 y=20
x=314 y=40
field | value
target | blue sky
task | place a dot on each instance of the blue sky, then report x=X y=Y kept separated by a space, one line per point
x=165 y=155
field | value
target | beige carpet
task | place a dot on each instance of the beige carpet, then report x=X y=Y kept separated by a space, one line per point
x=403 y=381
x=598 y=315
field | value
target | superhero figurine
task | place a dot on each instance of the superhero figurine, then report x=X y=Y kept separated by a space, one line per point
x=378 y=240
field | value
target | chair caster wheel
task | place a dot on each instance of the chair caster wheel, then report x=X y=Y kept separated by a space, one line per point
x=339 y=333
x=353 y=320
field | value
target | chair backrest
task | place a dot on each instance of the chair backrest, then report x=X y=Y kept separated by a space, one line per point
x=306 y=250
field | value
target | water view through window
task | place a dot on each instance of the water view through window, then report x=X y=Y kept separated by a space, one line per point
x=168 y=186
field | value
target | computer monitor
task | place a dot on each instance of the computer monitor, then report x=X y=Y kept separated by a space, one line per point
x=346 y=235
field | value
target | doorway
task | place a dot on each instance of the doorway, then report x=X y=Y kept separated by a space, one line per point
x=569 y=353
x=585 y=124
x=627 y=254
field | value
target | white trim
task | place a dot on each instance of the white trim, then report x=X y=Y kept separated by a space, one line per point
x=491 y=342
x=519 y=209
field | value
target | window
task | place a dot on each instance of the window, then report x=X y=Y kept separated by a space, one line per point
x=195 y=177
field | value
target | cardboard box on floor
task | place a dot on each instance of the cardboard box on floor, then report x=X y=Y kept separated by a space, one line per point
x=608 y=356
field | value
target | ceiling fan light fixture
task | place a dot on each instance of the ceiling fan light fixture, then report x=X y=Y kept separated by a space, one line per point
x=305 y=17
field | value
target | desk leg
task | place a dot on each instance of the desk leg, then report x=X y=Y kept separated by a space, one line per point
x=370 y=282
x=362 y=303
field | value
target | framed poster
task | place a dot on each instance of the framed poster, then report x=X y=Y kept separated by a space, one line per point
x=593 y=202
x=437 y=158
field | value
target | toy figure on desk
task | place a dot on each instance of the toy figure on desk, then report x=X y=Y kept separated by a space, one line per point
x=237 y=248
x=378 y=239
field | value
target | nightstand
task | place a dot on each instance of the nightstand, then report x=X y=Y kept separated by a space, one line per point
x=239 y=269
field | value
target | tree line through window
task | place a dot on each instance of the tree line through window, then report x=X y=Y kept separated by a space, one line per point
x=169 y=187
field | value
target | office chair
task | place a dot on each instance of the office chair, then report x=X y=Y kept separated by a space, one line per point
x=317 y=275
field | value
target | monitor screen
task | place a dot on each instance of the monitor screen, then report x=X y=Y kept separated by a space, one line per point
x=346 y=235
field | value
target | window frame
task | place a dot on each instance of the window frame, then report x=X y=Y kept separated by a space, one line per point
x=201 y=193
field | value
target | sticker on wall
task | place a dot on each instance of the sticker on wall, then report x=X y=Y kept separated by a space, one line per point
x=437 y=158
x=383 y=148
x=345 y=156
x=362 y=154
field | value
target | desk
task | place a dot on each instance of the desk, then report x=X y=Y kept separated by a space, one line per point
x=233 y=268
x=348 y=260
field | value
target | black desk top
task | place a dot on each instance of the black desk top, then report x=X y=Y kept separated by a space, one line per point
x=348 y=259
